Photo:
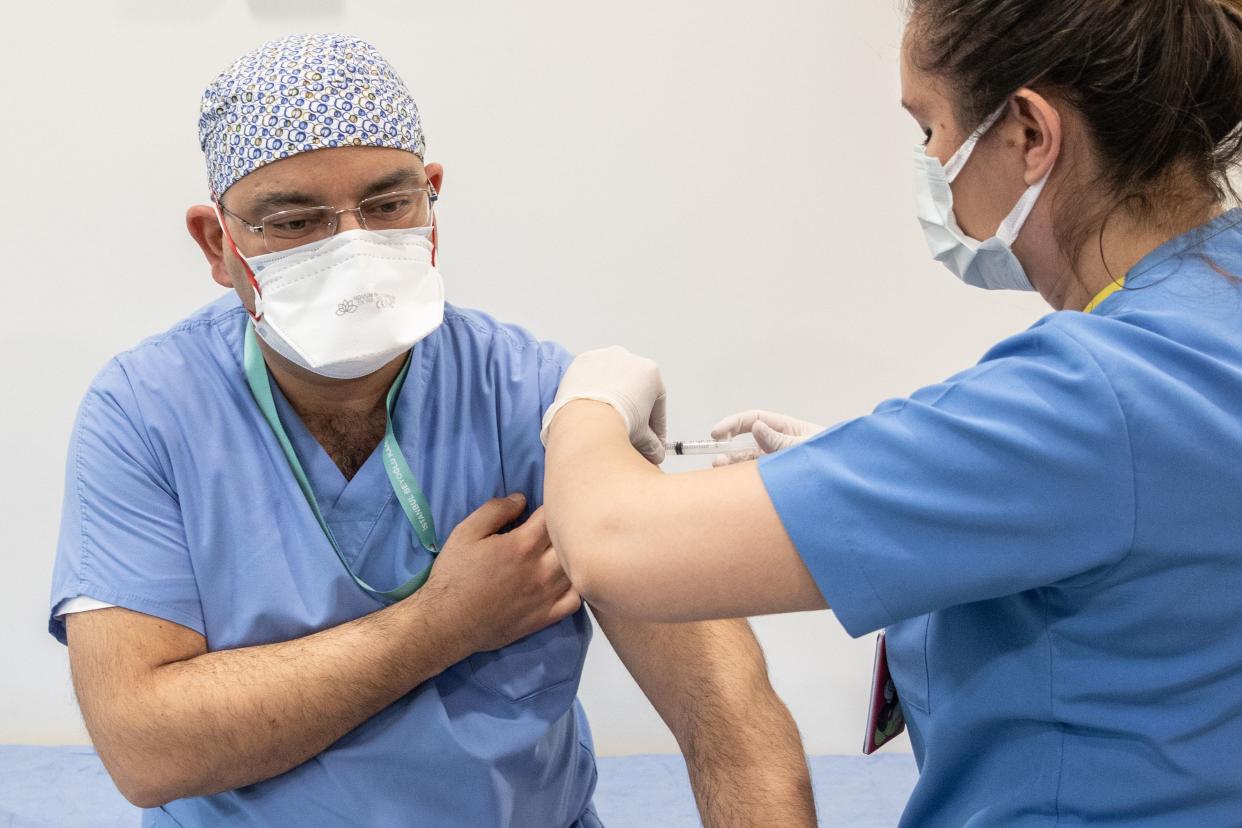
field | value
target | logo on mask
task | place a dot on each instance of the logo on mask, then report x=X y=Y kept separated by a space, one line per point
x=382 y=301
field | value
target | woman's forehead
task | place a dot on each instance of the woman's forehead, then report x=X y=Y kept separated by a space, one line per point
x=921 y=93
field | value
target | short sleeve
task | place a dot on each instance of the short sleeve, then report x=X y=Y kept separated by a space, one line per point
x=553 y=363
x=122 y=539
x=1014 y=475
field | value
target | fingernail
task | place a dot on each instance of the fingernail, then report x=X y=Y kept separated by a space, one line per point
x=517 y=497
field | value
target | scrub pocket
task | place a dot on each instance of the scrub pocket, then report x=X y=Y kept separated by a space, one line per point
x=538 y=662
x=906 y=645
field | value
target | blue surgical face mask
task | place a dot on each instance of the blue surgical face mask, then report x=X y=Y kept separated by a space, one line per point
x=989 y=263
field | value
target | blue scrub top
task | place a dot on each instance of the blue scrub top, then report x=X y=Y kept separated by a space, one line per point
x=180 y=504
x=1054 y=540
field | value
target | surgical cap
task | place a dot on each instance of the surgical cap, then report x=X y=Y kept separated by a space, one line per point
x=302 y=93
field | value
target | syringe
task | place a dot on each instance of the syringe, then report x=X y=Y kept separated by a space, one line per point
x=742 y=442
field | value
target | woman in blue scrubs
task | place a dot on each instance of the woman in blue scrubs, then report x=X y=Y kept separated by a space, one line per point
x=1053 y=537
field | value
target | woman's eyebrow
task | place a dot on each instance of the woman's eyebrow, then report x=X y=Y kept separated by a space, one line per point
x=915 y=109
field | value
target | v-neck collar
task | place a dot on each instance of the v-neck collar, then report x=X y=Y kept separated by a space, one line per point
x=339 y=498
x=365 y=497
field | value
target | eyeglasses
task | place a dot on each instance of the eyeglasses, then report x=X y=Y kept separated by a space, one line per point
x=398 y=210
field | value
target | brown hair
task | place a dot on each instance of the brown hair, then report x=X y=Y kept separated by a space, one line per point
x=1158 y=84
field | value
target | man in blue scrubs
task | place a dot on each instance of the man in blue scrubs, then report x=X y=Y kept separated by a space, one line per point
x=283 y=572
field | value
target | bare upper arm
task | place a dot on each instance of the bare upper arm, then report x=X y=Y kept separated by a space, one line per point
x=699 y=545
x=678 y=547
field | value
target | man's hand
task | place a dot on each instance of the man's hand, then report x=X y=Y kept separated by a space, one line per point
x=497 y=588
x=172 y=720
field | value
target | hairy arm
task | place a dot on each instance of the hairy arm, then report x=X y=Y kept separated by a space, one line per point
x=709 y=682
x=172 y=720
x=642 y=544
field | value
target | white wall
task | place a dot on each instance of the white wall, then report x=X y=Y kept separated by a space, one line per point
x=724 y=186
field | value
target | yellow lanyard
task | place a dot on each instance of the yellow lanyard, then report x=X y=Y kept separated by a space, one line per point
x=1112 y=288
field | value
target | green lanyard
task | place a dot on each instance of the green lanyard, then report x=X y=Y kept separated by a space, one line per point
x=406 y=488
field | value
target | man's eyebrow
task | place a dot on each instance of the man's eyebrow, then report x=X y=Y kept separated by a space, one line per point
x=277 y=200
x=398 y=179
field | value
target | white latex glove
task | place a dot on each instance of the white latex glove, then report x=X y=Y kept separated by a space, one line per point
x=772 y=432
x=629 y=383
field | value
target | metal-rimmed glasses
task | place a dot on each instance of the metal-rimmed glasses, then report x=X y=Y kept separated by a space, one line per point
x=398 y=210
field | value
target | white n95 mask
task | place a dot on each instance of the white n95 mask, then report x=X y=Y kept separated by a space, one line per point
x=987 y=264
x=345 y=306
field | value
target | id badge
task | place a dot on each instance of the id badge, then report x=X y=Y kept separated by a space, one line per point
x=885 y=721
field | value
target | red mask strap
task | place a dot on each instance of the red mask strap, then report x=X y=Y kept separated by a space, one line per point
x=254 y=283
x=435 y=240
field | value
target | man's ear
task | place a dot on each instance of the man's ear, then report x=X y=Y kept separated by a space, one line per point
x=204 y=228
x=435 y=175
x=1041 y=128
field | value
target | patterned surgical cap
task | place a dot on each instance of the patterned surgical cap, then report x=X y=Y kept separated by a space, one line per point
x=302 y=93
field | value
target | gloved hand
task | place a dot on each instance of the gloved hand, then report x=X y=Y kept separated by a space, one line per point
x=630 y=384
x=772 y=432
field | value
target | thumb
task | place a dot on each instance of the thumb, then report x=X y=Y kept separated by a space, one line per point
x=769 y=439
x=488 y=519
x=650 y=446
x=659 y=418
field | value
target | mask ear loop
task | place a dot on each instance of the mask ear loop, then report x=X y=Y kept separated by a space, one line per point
x=257 y=313
x=959 y=159
x=435 y=239
x=435 y=227
x=1013 y=223
x=1011 y=226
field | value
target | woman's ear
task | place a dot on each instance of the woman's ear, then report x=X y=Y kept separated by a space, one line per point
x=1041 y=129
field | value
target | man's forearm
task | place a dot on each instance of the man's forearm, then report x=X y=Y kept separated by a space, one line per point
x=709 y=683
x=747 y=765
x=234 y=717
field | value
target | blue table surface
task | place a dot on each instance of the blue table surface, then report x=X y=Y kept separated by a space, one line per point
x=67 y=787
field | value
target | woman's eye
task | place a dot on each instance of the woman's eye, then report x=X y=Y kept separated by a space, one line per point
x=926 y=137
